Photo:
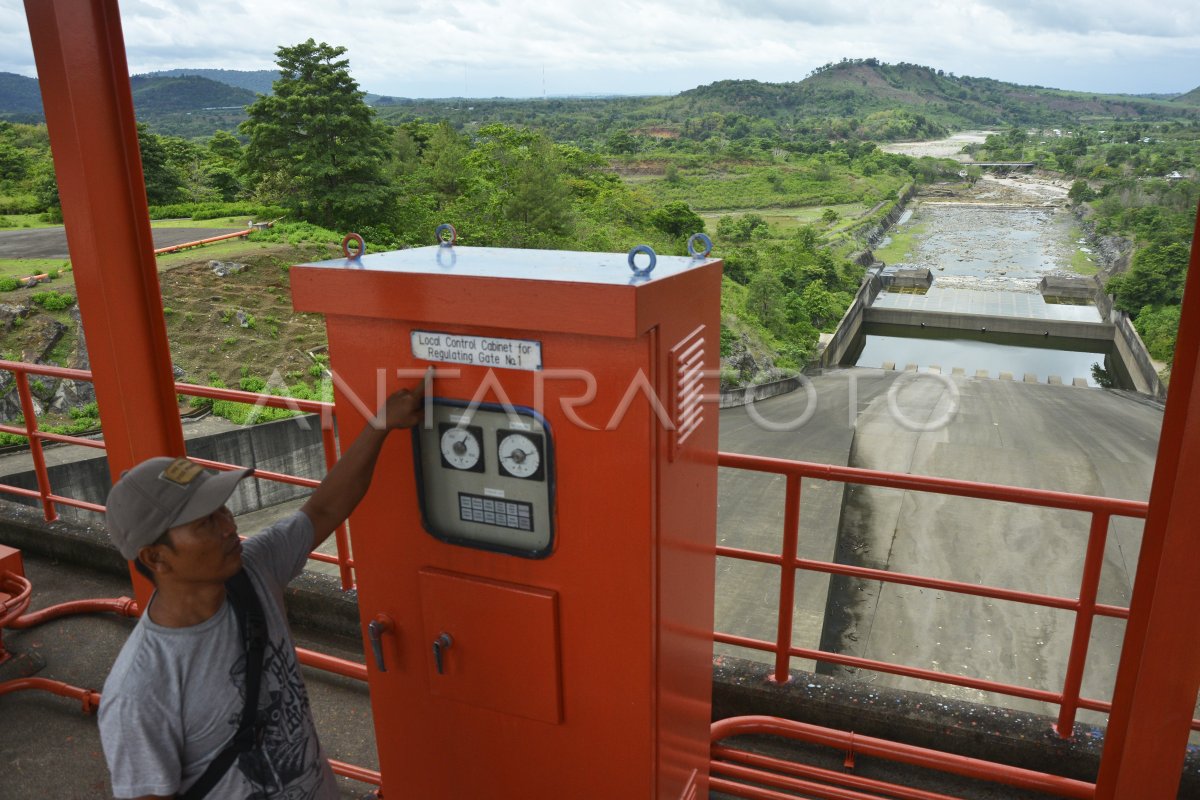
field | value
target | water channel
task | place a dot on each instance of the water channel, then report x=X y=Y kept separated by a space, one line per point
x=987 y=257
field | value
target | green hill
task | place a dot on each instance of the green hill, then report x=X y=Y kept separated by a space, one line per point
x=1191 y=98
x=20 y=98
x=258 y=81
x=861 y=87
x=158 y=95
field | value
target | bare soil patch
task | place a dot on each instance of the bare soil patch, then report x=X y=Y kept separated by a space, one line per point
x=242 y=324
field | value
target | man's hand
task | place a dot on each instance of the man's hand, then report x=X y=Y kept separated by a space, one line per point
x=346 y=484
x=402 y=409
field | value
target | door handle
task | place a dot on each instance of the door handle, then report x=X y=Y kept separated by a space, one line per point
x=440 y=645
x=376 y=628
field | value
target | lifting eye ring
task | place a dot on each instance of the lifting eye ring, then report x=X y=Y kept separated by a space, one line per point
x=642 y=271
x=703 y=240
x=442 y=229
x=362 y=246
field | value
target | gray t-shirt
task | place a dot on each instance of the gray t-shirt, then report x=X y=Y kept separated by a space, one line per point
x=175 y=696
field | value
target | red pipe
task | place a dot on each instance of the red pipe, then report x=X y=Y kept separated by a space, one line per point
x=19 y=590
x=87 y=697
x=356 y=773
x=338 y=666
x=904 y=754
x=125 y=606
x=175 y=247
x=759 y=765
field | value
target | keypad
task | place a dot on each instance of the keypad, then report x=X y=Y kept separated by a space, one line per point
x=495 y=511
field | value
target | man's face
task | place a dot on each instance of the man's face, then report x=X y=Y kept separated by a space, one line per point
x=206 y=550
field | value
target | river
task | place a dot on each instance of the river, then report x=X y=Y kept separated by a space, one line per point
x=987 y=248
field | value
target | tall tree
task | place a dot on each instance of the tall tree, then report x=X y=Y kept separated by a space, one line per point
x=317 y=140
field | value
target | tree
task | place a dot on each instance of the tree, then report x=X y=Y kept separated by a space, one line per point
x=677 y=219
x=318 y=134
x=163 y=182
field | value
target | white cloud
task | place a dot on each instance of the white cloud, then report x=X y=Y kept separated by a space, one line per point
x=490 y=47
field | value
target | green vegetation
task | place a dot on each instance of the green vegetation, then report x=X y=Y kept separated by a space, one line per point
x=1133 y=180
x=787 y=178
x=53 y=301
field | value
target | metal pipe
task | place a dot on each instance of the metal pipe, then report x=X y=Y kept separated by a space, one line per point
x=176 y=247
x=754 y=767
x=356 y=773
x=905 y=754
x=89 y=699
x=338 y=666
x=124 y=606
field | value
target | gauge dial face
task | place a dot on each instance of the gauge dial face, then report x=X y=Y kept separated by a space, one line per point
x=519 y=455
x=461 y=448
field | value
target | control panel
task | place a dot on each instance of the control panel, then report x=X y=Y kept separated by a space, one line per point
x=485 y=477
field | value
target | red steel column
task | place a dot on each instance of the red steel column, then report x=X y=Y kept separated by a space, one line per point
x=1159 y=673
x=80 y=55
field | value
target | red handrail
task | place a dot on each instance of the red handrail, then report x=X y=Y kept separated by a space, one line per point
x=49 y=500
x=1084 y=606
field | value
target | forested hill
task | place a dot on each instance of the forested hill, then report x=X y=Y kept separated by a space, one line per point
x=852 y=99
x=20 y=98
x=258 y=81
x=156 y=95
x=865 y=87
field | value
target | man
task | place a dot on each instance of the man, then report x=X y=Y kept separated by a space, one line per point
x=175 y=696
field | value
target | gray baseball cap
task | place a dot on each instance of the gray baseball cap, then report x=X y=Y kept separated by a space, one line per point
x=161 y=493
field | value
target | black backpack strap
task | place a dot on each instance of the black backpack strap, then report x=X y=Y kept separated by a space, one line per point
x=253 y=627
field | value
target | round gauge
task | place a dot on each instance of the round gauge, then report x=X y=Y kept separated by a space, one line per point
x=519 y=455
x=460 y=448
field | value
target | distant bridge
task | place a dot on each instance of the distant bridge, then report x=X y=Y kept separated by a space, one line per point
x=1002 y=164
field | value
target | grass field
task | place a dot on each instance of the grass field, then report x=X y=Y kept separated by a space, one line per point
x=8 y=221
x=785 y=220
x=903 y=241
x=224 y=222
x=24 y=267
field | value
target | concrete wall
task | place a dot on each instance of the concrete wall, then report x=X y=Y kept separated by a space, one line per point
x=1095 y=331
x=291 y=446
x=751 y=394
x=1136 y=357
x=851 y=323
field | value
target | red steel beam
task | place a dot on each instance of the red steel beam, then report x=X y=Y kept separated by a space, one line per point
x=80 y=55
x=1159 y=673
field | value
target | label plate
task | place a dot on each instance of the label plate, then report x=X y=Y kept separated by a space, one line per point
x=477 y=351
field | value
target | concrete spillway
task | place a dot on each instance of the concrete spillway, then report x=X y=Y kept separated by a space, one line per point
x=1035 y=435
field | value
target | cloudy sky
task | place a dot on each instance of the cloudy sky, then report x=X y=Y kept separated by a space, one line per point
x=527 y=48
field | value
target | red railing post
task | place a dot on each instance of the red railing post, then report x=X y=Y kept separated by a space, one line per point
x=35 y=445
x=787 y=580
x=1085 y=613
x=342 y=537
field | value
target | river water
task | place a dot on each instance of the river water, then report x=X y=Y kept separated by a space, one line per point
x=987 y=258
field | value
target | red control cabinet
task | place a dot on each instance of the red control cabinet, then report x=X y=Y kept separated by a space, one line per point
x=538 y=557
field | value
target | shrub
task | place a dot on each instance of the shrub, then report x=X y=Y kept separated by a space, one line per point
x=53 y=301
x=9 y=283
